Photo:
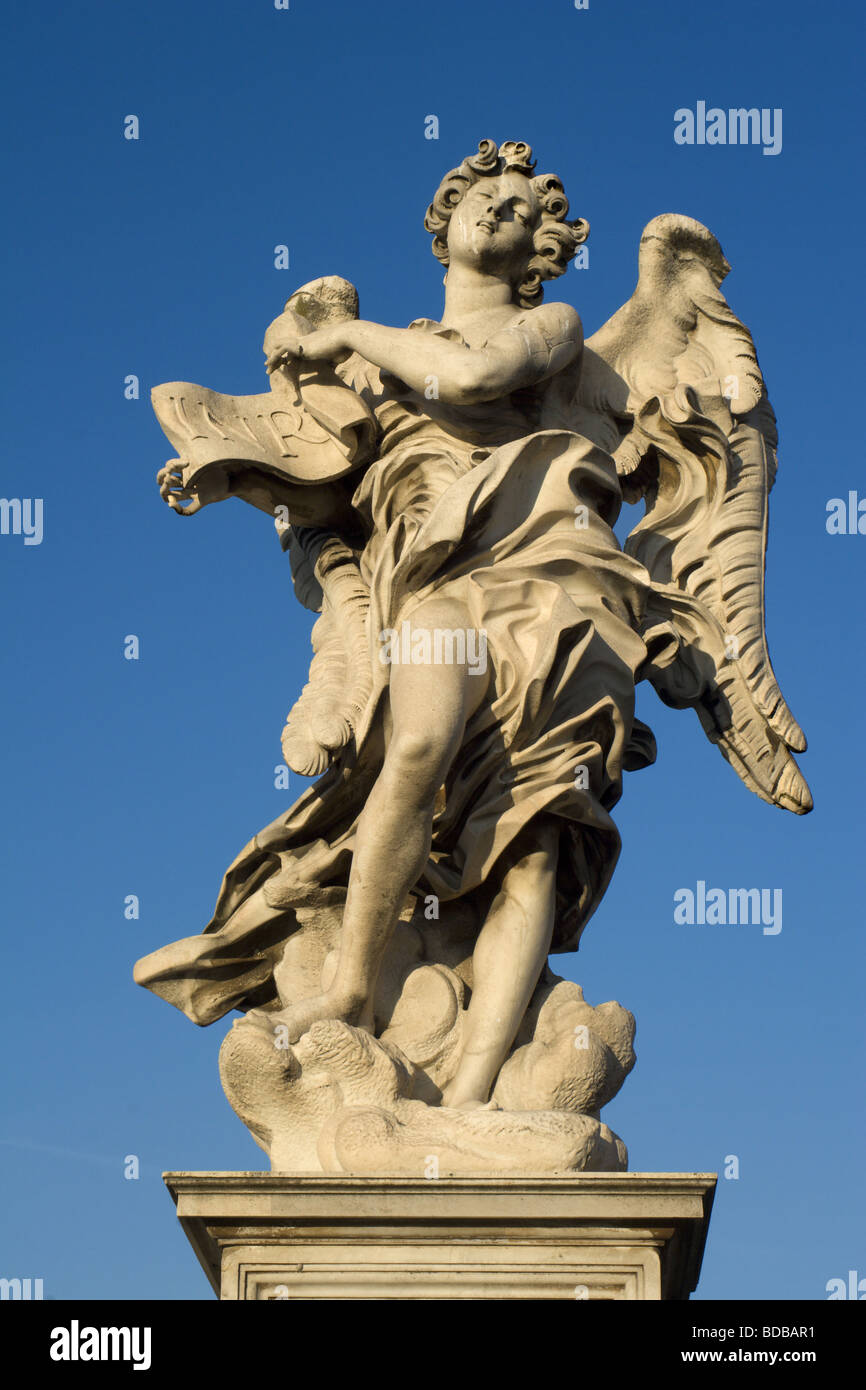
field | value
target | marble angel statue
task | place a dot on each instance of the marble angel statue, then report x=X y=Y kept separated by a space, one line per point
x=446 y=493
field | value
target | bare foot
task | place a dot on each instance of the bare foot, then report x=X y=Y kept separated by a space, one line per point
x=298 y=1018
x=455 y=1098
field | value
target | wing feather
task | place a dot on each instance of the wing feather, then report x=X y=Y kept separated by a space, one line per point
x=324 y=718
x=673 y=382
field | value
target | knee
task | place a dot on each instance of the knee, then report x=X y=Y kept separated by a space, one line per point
x=441 y=612
x=418 y=760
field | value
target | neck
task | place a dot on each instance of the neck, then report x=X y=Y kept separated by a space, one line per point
x=470 y=291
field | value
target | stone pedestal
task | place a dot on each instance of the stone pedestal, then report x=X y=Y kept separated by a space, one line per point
x=596 y=1236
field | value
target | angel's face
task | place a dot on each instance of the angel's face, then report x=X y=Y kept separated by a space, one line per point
x=493 y=224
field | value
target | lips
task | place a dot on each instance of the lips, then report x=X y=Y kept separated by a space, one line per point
x=491 y=226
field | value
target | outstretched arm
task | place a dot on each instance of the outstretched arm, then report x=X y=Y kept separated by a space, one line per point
x=537 y=344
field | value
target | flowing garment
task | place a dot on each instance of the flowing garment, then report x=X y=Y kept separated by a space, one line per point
x=479 y=505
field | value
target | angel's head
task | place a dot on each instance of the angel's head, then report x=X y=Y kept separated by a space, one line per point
x=493 y=214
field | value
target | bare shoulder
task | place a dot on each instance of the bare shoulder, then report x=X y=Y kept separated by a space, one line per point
x=553 y=335
x=559 y=323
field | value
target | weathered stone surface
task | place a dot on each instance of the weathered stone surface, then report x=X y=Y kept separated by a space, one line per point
x=446 y=493
x=596 y=1236
x=340 y=1100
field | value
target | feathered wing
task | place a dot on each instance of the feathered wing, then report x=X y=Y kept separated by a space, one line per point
x=293 y=452
x=328 y=580
x=672 y=388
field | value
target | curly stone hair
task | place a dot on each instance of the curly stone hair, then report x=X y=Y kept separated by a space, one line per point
x=555 y=240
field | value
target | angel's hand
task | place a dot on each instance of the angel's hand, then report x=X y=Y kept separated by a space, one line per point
x=328 y=344
x=282 y=347
x=172 y=490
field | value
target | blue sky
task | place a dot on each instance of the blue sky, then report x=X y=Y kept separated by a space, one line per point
x=155 y=257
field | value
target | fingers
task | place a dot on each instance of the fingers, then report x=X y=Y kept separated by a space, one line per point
x=185 y=508
x=170 y=479
x=289 y=346
x=172 y=490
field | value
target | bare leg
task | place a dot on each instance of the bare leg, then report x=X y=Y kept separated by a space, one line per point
x=429 y=707
x=510 y=953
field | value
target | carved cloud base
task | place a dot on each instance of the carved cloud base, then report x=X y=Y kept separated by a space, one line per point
x=344 y=1099
x=340 y=1101
x=274 y=1236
